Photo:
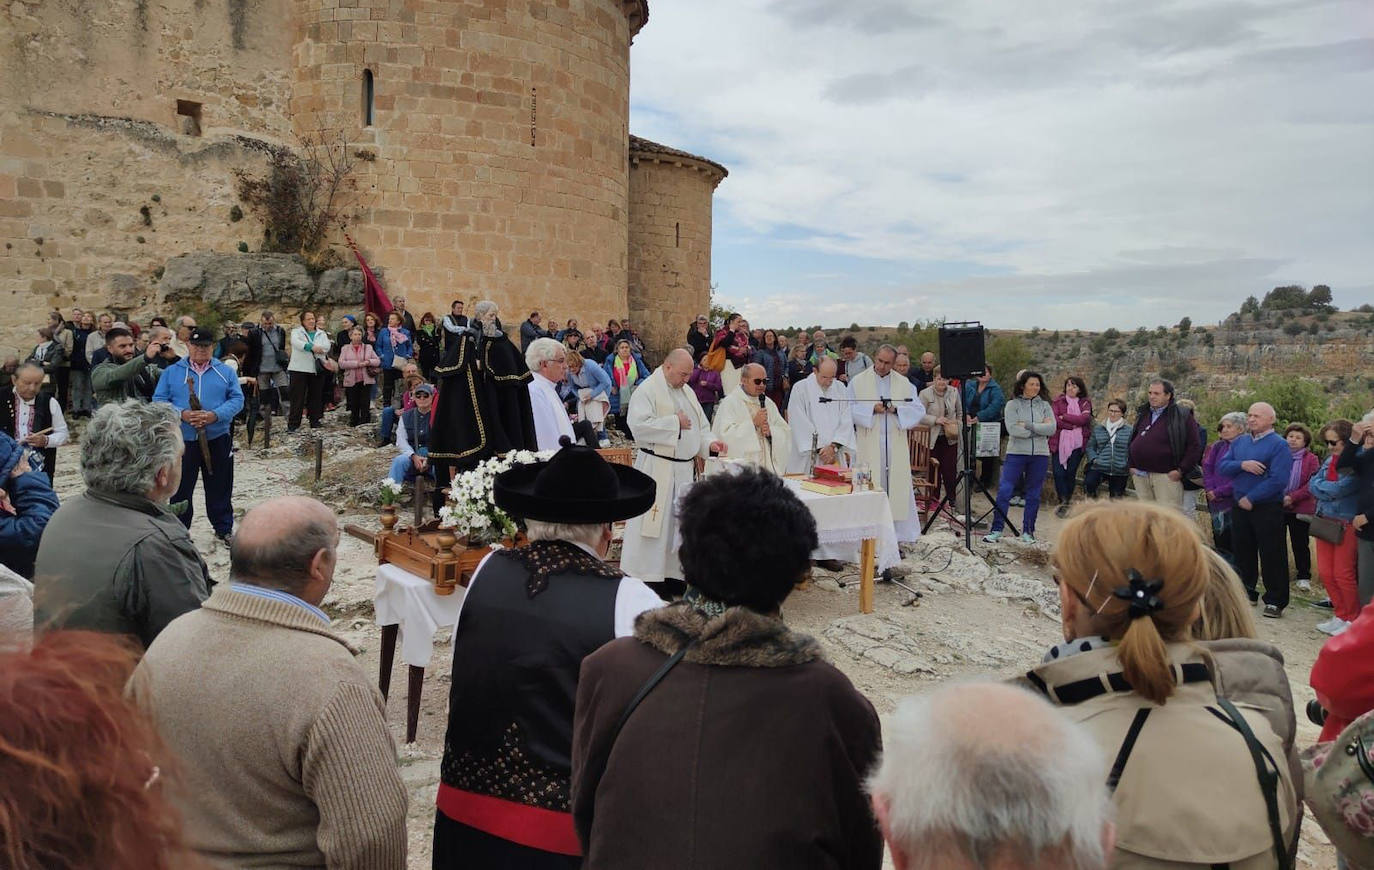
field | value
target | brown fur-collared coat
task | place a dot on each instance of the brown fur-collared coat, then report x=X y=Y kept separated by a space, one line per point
x=751 y=753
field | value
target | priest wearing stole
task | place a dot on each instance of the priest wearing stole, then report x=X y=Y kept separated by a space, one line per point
x=674 y=440
x=751 y=425
x=882 y=417
x=831 y=423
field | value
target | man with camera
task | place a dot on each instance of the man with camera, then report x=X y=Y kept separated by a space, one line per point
x=126 y=372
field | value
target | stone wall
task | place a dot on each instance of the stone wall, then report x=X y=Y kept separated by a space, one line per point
x=496 y=164
x=670 y=244
x=99 y=185
x=499 y=135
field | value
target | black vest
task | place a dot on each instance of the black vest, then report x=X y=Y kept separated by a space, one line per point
x=42 y=419
x=516 y=658
x=417 y=429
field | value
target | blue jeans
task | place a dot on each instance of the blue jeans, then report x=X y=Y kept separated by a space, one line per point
x=1014 y=468
x=403 y=469
x=388 y=424
x=1066 y=476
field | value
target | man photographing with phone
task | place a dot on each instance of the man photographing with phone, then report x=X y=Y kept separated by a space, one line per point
x=1259 y=466
x=117 y=378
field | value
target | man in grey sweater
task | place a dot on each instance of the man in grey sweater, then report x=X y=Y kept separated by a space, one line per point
x=286 y=757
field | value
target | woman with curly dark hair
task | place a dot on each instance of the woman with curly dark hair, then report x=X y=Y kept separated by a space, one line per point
x=81 y=768
x=745 y=699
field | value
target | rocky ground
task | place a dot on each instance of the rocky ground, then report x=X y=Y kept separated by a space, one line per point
x=989 y=613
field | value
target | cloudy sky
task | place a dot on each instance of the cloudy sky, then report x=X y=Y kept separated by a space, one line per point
x=1072 y=164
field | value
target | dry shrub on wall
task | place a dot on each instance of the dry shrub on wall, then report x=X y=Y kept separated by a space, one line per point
x=305 y=194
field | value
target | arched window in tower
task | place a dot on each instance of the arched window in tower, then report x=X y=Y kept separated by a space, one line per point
x=677 y=235
x=367 y=97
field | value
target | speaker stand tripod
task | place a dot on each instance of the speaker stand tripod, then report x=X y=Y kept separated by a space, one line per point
x=967 y=482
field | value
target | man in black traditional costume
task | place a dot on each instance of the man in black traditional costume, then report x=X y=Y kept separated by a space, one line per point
x=483 y=407
x=529 y=617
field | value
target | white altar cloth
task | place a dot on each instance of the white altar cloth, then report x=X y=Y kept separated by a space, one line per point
x=401 y=598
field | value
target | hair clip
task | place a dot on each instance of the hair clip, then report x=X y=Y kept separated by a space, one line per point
x=1141 y=594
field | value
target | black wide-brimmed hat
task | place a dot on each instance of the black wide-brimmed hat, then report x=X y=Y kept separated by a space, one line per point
x=575 y=485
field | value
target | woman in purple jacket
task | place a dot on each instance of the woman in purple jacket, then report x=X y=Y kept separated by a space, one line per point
x=1297 y=499
x=1218 y=486
x=1073 y=417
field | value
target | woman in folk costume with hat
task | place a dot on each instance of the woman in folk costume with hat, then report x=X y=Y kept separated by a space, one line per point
x=528 y=619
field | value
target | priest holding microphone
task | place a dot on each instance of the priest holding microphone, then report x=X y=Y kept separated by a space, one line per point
x=751 y=425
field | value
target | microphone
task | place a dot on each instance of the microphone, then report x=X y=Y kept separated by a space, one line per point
x=763 y=403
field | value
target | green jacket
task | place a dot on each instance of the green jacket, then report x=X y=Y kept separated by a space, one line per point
x=119 y=563
x=110 y=380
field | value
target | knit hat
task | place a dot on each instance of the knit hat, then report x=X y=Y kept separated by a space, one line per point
x=10 y=454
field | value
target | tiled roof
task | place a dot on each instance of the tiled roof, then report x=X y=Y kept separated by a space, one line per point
x=644 y=146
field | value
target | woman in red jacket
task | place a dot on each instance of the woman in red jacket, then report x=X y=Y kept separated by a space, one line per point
x=1297 y=499
x=1073 y=417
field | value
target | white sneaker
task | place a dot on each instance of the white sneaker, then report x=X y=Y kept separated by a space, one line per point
x=1340 y=629
x=1328 y=626
x=1304 y=585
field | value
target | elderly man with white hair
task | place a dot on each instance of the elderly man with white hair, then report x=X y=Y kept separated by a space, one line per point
x=547 y=359
x=1259 y=465
x=984 y=775
x=116 y=559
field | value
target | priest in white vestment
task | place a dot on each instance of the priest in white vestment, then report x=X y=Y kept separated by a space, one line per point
x=547 y=360
x=751 y=426
x=832 y=423
x=885 y=407
x=674 y=440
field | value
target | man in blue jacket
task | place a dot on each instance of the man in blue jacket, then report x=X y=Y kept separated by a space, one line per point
x=983 y=403
x=1258 y=466
x=217 y=388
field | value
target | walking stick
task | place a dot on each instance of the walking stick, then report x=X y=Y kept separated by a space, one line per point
x=200 y=431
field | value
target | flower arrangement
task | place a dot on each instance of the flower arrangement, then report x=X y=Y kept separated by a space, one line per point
x=471 y=507
x=390 y=491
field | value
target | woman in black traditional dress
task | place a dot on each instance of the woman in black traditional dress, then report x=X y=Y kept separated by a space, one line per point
x=483 y=407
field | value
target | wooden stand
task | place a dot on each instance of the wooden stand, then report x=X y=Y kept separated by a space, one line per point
x=866 y=559
x=432 y=552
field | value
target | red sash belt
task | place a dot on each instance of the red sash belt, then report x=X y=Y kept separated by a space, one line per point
x=534 y=827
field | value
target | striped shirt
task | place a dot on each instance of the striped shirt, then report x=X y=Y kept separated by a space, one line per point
x=286 y=597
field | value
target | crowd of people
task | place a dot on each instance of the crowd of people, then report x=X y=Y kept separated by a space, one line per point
x=241 y=731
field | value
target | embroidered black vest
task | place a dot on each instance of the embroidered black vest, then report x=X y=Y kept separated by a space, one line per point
x=42 y=419
x=521 y=638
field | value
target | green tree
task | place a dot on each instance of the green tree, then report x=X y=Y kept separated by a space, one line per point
x=1185 y=325
x=1287 y=297
x=854 y=327
x=1251 y=305
x=1293 y=328
x=903 y=326
x=1112 y=334
x=1006 y=354
x=1320 y=297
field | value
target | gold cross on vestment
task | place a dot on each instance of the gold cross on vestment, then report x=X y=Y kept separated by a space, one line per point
x=653 y=515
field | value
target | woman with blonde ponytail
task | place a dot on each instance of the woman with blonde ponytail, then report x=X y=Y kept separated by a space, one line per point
x=1132 y=578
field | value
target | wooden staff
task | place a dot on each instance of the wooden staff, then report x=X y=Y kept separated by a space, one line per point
x=200 y=431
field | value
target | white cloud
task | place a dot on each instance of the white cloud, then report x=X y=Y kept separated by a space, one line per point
x=1092 y=156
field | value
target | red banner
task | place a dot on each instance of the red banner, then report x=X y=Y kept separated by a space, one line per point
x=374 y=297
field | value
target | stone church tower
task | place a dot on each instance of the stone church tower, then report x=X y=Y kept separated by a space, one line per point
x=491 y=138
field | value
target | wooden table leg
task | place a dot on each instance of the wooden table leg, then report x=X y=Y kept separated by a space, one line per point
x=417 y=685
x=389 y=633
x=866 y=575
